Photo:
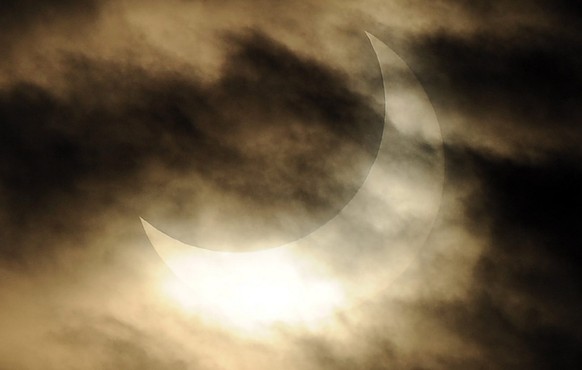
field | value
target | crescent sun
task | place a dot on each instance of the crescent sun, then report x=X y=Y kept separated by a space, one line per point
x=403 y=212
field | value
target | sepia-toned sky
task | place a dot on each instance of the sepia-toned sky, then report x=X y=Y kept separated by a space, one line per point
x=243 y=125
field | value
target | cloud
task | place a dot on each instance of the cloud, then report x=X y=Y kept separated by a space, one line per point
x=29 y=21
x=512 y=108
x=106 y=116
x=518 y=96
x=20 y=14
x=524 y=295
x=267 y=131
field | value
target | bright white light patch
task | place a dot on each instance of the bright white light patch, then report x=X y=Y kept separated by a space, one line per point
x=246 y=289
x=252 y=288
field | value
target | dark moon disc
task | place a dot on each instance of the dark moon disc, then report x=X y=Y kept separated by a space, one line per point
x=274 y=150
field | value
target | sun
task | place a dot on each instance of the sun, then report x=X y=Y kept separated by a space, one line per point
x=255 y=289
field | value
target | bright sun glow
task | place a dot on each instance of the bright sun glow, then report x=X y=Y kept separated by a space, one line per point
x=251 y=289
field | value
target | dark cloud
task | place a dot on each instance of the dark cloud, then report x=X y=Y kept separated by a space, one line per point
x=25 y=20
x=274 y=129
x=560 y=15
x=22 y=13
x=537 y=200
x=519 y=137
x=517 y=145
x=522 y=310
x=535 y=80
x=517 y=91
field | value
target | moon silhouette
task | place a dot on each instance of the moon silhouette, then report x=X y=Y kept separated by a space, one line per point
x=378 y=233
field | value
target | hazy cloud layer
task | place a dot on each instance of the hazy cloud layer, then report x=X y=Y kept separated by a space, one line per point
x=195 y=113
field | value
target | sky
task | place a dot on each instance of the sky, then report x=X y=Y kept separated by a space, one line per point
x=255 y=131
